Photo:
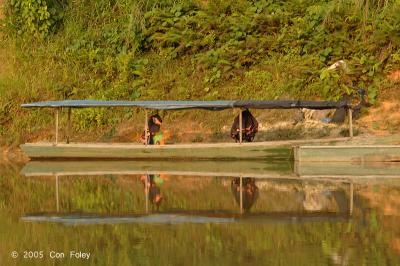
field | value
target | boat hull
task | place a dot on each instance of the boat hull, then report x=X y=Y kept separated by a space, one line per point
x=333 y=151
x=348 y=153
x=224 y=151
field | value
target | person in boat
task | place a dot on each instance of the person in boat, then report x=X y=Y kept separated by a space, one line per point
x=363 y=103
x=249 y=191
x=249 y=127
x=154 y=134
x=339 y=115
x=153 y=188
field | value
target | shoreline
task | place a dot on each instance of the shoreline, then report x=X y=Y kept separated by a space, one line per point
x=15 y=155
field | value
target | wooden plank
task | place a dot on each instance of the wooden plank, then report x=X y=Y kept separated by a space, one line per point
x=350 y=153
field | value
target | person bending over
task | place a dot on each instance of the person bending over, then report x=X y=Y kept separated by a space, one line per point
x=249 y=127
x=154 y=134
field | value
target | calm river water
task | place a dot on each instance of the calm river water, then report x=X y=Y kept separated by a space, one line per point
x=110 y=218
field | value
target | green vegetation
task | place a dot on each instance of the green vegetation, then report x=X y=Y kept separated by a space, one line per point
x=187 y=49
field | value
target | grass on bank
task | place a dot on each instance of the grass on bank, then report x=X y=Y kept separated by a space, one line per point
x=180 y=50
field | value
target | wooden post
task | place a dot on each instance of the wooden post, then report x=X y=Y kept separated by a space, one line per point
x=240 y=126
x=56 y=142
x=145 y=127
x=351 y=198
x=69 y=124
x=350 y=113
x=241 y=195
x=57 y=197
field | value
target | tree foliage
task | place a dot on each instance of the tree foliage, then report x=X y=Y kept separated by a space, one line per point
x=36 y=17
x=191 y=49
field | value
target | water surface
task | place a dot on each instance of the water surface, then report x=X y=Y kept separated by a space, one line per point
x=192 y=219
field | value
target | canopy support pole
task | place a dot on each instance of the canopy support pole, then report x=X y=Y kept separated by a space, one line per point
x=69 y=125
x=241 y=194
x=56 y=142
x=350 y=114
x=145 y=127
x=240 y=126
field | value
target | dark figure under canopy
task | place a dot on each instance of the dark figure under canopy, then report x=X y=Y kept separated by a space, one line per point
x=249 y=127
x=340 y=114
x=249 y=190
x=154 y=134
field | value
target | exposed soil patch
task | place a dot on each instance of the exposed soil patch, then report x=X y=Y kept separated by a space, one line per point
x=394 y=75
x=383 y=119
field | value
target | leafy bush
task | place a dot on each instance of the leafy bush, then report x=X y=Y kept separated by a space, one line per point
x=192 y=49
x=34 y=17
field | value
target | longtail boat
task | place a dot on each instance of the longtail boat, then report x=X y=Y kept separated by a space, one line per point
x=264 y=151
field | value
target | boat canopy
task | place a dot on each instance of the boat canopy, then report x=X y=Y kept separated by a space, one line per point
x=182 y=105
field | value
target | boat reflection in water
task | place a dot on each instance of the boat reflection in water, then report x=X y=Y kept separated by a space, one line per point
x=245 y=192
x=204 y=213
x=197 y=197
x=152 y=189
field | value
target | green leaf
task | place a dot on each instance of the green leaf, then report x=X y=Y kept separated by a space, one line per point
x=372 y=94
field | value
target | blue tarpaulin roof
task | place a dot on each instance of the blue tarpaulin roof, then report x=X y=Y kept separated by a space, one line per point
x=181 y=105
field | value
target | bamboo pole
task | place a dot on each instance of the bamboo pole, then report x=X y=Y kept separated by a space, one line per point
x=240 y=126
x=145 y=127
x=350 y=114
x=69 y=125
x=56 y=142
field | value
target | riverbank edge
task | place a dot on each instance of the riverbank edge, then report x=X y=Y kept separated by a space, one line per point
x=14 y=154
